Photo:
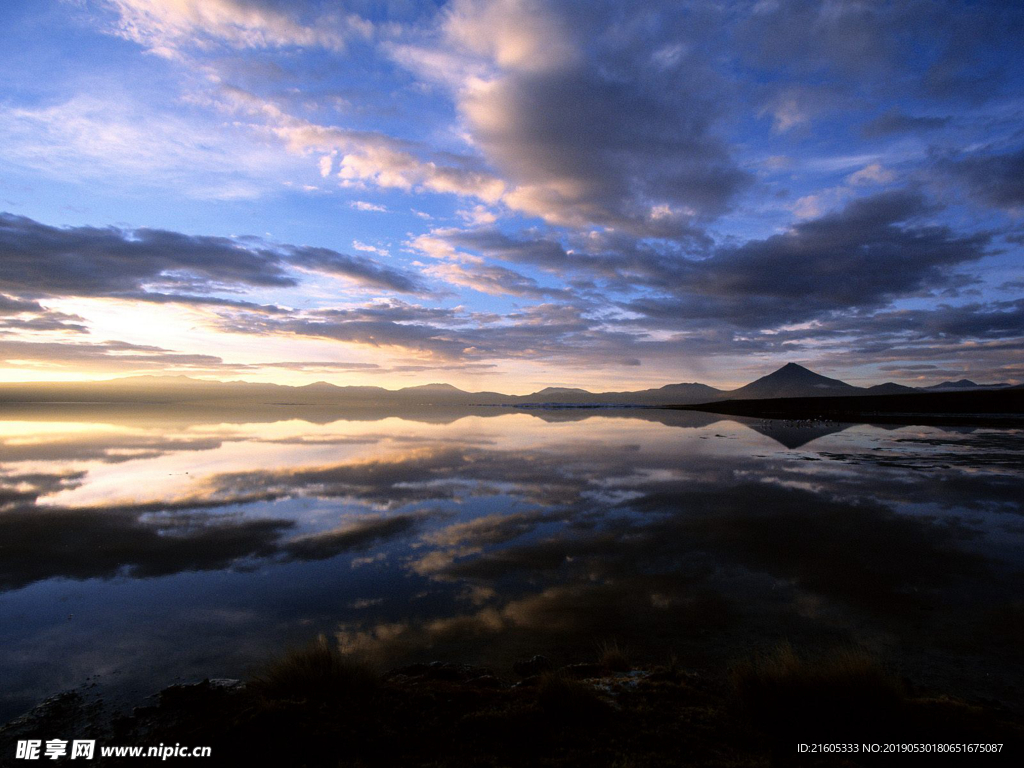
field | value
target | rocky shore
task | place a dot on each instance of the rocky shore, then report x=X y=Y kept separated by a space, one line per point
x=315 y=708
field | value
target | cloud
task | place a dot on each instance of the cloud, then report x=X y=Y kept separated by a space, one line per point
x=870 y=175
x=20 y=315
x=795 y=106
x=40 y=260
x=863 y=46
x=620 y=260
x=358 y=269
x=825 y=285
x=548 y=331
x=361 y=205
x=991 y=178
x=896 y=122
x=492 y=280
x=164 y=26
x=108 y=356
x=377 y=158
x=581 y=125
x=116 y=140
x=872 y=251
x=366 y=248
x=13 y=306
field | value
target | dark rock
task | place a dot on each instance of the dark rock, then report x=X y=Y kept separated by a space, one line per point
x=527 y=682
x=438 y=670
x=581 y=671
x=67 y=715
x=411 y=670
x=534 y=666
x=486 y=681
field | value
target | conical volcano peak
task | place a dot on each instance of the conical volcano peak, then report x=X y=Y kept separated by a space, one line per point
x=794 y=369
x=792 y=380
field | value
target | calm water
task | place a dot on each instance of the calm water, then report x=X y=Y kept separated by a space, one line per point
x=142 y=547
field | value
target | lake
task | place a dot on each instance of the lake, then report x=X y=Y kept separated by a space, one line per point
x=150 y=545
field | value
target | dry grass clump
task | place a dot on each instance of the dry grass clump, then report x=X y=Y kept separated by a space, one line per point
x=612 y=657
x=844 y=691
x=320 y=673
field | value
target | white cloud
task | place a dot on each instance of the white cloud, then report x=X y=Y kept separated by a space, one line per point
x=360 y=246
x=809 y=206
x=113 y=140
x=478 y=215
x=163 y=26
x=362 y=205
x=871 y=174
x=517 y=34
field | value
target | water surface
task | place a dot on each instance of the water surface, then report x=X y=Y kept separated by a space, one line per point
x=143 y=546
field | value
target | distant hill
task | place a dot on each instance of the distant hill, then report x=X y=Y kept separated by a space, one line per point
x=671 y=393
x=962 y=385
x=890 y=388
x=790 y=381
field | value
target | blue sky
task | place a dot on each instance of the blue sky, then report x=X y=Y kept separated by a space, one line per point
x=510 y=194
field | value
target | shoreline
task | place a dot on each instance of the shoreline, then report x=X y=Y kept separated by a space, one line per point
x=994 y=408
x=314 y=706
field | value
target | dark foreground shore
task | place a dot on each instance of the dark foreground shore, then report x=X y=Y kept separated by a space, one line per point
x=990 y=408
x=315 y=707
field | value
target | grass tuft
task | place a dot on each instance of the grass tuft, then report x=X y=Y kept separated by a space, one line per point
x=613 y=657
x=319 y=673
x=845 y=691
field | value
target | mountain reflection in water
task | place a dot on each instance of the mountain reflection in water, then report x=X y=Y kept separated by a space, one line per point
x=141 y=546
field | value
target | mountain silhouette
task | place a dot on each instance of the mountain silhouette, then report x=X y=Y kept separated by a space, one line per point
x=679 y=394
x=792 y=380
x=950 y=386
x=890 y=388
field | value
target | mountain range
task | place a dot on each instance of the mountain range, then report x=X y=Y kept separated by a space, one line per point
x=791 y=380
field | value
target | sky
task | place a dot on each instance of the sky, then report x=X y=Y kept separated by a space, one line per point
x=511 y=194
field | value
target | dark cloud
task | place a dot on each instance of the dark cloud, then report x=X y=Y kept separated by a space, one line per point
x=992 y=178
x=848 y=37
x=40 y=260
x=537 y=332
x=619 y=261
x=494 y=280
x=959 y=50
x=357 y=268
x=897 y=122
x=112 y=356
x=991 y=320
x=872 y=251
x=20 y=315
x=13 y=306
